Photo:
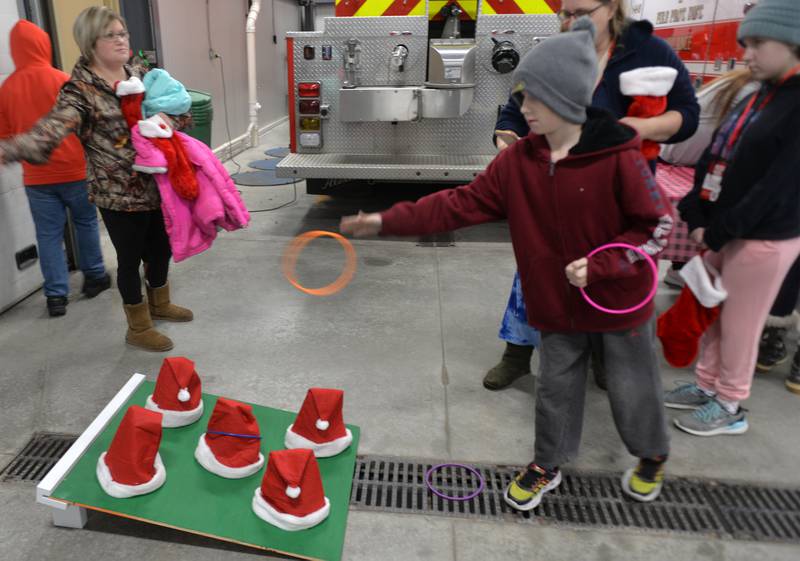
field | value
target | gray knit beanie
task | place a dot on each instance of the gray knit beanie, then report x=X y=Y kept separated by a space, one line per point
x=773 y=19
x=561 y=71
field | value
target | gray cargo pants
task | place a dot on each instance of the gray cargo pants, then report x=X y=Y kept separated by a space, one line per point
x=634 y=390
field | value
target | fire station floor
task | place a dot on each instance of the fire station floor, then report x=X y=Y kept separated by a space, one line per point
x=411 y=314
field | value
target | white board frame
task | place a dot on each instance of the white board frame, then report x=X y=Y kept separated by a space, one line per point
x=65 y=514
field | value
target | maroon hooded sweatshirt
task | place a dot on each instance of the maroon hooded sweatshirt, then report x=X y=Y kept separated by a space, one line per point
x=602 y=192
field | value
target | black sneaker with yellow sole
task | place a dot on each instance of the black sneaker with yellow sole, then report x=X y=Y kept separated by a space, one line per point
x=525 y=492
x=644 y=482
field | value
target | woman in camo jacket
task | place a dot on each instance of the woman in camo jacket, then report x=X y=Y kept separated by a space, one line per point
x=129 y=202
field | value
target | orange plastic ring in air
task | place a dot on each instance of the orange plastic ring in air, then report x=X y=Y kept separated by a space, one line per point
x=300 y=242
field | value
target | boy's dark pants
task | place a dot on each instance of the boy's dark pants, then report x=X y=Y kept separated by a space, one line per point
x=634 y=389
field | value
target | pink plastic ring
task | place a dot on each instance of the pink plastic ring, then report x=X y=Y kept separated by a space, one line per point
x=643 y=303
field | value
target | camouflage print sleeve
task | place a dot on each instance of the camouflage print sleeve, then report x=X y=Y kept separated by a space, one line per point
x=68 y=115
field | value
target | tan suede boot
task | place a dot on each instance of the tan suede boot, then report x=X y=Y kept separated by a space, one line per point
x=162 y=308
x=141 y=332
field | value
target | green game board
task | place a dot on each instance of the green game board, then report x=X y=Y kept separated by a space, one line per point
x=200 y=502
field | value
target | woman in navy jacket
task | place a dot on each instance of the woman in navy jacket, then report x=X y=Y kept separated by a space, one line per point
x=622 y=45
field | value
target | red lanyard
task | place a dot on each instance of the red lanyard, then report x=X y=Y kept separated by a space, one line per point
x=744 y=116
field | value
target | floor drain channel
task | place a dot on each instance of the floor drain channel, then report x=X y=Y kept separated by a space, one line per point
x=37 y=457
x=390 y=484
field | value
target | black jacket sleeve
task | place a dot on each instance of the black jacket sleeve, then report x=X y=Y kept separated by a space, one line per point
x=511 y=119
x=739 y=220
x=681 y=97
x=689 y=207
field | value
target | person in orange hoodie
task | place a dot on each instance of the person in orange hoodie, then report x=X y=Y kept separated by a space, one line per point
x=27 y=95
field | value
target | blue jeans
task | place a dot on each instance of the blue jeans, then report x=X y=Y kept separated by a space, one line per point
x=48 y=205
x=514 y=328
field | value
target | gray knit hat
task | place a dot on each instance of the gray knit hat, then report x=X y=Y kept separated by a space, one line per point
x=773 y=19
x=561 y=71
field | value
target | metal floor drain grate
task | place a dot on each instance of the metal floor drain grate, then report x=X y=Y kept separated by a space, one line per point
x=389 y=484
x=37 y=457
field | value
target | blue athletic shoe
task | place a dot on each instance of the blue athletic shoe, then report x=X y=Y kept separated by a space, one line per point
x=711 y=420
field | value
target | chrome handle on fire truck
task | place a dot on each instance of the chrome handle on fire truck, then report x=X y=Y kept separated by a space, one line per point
x=352 y=62
x=399 y=55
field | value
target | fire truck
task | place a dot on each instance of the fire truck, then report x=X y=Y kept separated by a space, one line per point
x=408 y=91
x=702 y=32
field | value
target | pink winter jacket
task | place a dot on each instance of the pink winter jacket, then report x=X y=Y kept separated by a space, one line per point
x=192 y=225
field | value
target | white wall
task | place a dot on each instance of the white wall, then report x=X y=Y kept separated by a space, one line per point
x=184 y=28
x=8 y=17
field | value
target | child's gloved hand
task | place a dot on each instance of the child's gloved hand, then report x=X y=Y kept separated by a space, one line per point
x=578 y=272
x=361 y=225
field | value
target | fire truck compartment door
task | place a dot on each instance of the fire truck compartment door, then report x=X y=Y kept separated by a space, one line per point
x=370 y=104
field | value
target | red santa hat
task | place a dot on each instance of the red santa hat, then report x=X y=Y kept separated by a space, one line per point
x=698 y=306
x=131 y=94
x=649 y=87
x=180 y=171
x=178 y=392
x=132 y=466
x=291 y=496
x=231 y=445
x=319 y=424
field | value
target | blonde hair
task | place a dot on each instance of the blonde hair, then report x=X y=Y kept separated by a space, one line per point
x=617 y=23
x=620 y=19
x=90 y=25
x=730 y=84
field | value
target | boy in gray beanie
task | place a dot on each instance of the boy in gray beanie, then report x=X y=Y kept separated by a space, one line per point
x=561 y=72
x=577 y=182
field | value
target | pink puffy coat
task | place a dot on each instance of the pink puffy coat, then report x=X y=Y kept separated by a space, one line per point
x=192 y=225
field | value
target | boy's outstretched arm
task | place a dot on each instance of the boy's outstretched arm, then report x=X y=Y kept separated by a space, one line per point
x=481 y=201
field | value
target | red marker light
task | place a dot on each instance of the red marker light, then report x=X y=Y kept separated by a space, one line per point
x=308 y=89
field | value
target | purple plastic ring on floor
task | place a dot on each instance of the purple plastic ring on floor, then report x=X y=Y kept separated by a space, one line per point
x=448 y=497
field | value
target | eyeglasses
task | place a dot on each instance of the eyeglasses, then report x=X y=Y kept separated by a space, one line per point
x=121 y=35
x=565 y=15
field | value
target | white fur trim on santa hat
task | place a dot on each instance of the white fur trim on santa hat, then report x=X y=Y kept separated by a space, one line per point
x=704 y=281
x=321 y=450
x=132 y=85
x=155 y=127
x=172 y=419
x=206 y=458
x=284 y=521
x=149 y=169
x=121 y=491
x=650 y=80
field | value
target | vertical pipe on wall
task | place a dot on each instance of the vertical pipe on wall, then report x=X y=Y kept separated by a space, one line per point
x=250 y=30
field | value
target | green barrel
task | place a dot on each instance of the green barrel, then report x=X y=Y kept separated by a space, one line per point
x=202 y=115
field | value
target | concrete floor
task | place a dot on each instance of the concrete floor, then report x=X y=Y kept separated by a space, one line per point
x=408 y=340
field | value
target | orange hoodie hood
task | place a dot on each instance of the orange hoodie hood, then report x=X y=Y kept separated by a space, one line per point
x=29 y=94
x=30 y=45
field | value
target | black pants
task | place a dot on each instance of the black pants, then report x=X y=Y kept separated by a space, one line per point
x=787 y=297
x=138 y=237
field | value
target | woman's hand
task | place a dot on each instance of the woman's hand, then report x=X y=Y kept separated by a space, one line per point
x=698 y=235
x=361 y=225
x=658 y=128
x=167 y=119
x=503 y=141
x=578 y=272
